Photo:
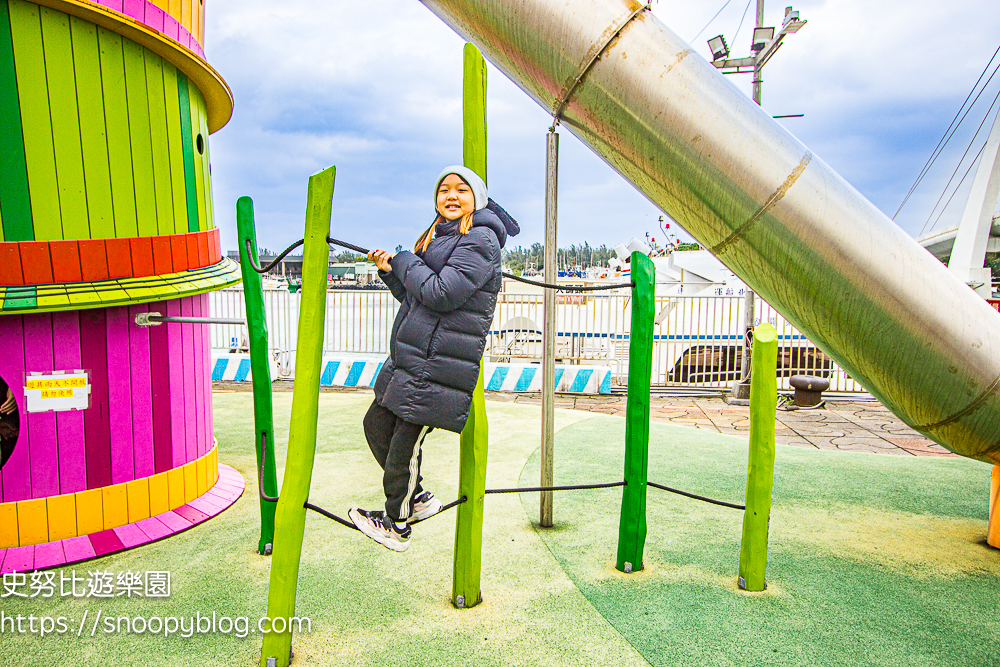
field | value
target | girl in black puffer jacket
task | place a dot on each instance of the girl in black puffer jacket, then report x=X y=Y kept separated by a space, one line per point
x=447 y=289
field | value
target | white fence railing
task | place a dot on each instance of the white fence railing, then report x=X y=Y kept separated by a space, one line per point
x=698 y=340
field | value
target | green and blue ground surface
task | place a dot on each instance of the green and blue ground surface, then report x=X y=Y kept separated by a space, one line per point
x=874 y=560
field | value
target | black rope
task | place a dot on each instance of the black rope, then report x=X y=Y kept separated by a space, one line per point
x=443 y=508
x=253 y=259
x=566 y=288
x=697 y=497
x=576 y=487
x=331 y=515
x=349 y=246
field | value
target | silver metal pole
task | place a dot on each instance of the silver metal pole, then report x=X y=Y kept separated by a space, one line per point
x=847 y=277
x=549 y=328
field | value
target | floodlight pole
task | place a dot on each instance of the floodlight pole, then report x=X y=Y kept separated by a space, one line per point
x=755 y=63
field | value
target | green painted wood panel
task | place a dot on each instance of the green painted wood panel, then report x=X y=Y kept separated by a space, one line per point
x=119 y=142
x=187 y=145
x=15 y=200
x=197 y=130
x=137 y=93
x=65 y=118
x=161 y=149
x=207 y=171
x=172 y=103
x=93 y=135
x=40 y=159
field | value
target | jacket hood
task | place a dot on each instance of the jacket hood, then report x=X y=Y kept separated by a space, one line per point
x=487 y=218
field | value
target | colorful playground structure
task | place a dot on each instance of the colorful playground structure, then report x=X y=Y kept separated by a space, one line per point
x=105 y=218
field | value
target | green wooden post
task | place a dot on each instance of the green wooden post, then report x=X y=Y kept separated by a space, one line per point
x=260 y=367
x=290 y=519
x=475 y=437
x=632 y=526
x=760 y=470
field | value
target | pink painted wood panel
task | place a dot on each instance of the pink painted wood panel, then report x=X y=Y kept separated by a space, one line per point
x=199 y=375
x=205 y=377
x=72 y=441
x=105 y=542
x=15 y=478
x=48 y=555
x=18 y=559
x=159 y=371
x=175 y=372
x=43 y=440
x=78 y=548
x=131 y=536
x=112 y=4
x=188 y=361
x=154 y=17
x=142 y=399
x=153 y=529
x=192 y=514
x=120 y=395
x=94 y=358
x=173 y=521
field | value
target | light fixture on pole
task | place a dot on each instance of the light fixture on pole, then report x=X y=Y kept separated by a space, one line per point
x=761 y=38
x=719 y=47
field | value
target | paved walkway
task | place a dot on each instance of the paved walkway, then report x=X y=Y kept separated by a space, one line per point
x=859 y=426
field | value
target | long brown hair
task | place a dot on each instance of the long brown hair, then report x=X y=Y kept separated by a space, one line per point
x=425 y=239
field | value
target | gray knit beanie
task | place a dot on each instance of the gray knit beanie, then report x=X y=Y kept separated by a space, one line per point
x=470 y=177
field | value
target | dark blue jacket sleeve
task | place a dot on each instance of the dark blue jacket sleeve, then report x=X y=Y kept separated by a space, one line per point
x=392 y=282
x=470 y=267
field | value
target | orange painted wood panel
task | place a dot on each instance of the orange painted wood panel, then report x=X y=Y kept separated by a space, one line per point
x=142 y=256
x=192 y=251
x=10 y=265
x=65 y=261
x=35 y=262
x=203 y=252
x=89 y=511
x=94 y=259
x=120 y=257
x=162 y=263
x=62 y=516
x=214 y=246
x=115 y=506
x=178 y=253
x=137 y=492
x=32 y=522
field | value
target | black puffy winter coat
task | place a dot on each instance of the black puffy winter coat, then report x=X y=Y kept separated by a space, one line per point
x=447 y=300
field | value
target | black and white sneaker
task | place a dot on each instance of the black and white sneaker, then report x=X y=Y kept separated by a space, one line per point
x=424 y=506
x=377 y=525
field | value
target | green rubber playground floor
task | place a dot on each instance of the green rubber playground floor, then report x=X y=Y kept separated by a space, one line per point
x=875 y=560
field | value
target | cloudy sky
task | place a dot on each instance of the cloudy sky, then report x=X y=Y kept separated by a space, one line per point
x=375 y=88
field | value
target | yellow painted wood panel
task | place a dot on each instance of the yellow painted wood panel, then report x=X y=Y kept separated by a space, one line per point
x=62 y=516
x=159 y=499
x=137 y=492
x=201 y=475
x=119 y=140
x=185 y=16
x=93 y=133
x=172 y=105
x=190 y=482
x=8 y=525
x=161 y=149
x=115 y=506
x=65 y=117
x=40 y=159
x=142 y=149
x=32 y=522
x=89 y=511
x=174 y=9
x=175 y=487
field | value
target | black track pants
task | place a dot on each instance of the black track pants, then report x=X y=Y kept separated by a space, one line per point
x=396 y=445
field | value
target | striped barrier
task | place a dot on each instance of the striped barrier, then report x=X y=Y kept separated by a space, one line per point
x=348 y=372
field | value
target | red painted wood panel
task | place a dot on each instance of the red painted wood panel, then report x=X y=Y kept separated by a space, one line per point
x=36 y=265
x=178 y=252
x=72 y=442
x=65 y=261
x=142 y=256
x=192 y=251
x=190 y=410
x=10 y=265
x=94 y=259
x=42 y=436
x=93 y=344
x=119 y=257
x=120 y=395
x=142 y=398
x=159 y=373
x=175 y=352
x=203 y=254
x=214 y=247
x=15 y=477
x=162 y=263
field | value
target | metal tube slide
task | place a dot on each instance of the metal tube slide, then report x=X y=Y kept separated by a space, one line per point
x=810 y=244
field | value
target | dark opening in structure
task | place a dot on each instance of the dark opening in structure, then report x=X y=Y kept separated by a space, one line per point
x=10 y=421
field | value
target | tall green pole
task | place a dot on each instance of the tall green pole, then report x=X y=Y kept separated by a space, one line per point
x=632 y=525
x=475 y=436
x=260 y=367
x=760 y=471
x=290 y=520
